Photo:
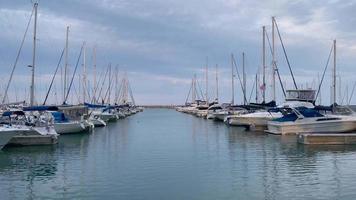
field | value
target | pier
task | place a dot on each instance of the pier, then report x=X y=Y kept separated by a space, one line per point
x=161 y=106
x=327 y=139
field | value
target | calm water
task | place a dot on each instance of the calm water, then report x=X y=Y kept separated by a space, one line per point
x=163 y=154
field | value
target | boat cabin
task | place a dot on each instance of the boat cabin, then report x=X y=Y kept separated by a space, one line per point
x=307 y=95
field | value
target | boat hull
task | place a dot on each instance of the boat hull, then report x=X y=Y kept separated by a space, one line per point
x=335 y=126
x=69 y=127
x=6 y=135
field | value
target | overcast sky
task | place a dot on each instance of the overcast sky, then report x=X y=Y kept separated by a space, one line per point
x=162 y=43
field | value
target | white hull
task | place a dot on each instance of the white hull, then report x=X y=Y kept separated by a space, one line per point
x=69 y=127
x=303 y=126
x=7 y=133
x=256 y=121
x=97 y=122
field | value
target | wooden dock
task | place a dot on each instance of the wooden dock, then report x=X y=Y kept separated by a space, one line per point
x=327 y=139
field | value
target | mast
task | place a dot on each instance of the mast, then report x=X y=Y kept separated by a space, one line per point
x=66 y=66
x=273 y=61
x=244 y=77
x=84 y=73
x=264 y=64
x=32 y=95
x=334 y=76
x=206 y=82
x=109 y=83
x=94 y=70
x=232 y=80
x=194 y=88
x=256 y=81
x=217 y=82
x=116 y=83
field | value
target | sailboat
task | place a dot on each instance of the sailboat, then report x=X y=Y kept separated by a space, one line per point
x=258 y=118
x=306 y=120
x=16 y=123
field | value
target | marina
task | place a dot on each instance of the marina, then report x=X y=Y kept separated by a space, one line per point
x=137 y=158
x=177 y=100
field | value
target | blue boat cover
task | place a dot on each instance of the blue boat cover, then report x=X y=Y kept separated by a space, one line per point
x=89 y=105
x=9 y=113
x=59 y=117
x=40 y=108
x=306 y=112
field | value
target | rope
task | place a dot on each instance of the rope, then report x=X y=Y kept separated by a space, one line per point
x=275 y=64
x=54 y=76
x=285 y=54
x=17 y=57
x=238 y=76
x=322 y=78
x=75 y=70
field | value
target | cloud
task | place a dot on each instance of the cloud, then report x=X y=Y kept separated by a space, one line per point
x=164 y=42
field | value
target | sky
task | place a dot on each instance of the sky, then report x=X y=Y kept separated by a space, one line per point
x=161 y=44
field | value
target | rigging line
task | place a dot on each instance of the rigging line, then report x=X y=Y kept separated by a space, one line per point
x=118 y=98
x=54 y=76
x=285 y=54
x=253 y=88
x=344 y=96
x=109 y=87
x=322 y=77
x=190 y=89
x=276 y=66
x=76 y=93
x=238 y=76
x=102 y=84
x=200 y=90
x=352 y=93
x=96 y=87
x=131 y=94
x=75 y=70
x=17 y=57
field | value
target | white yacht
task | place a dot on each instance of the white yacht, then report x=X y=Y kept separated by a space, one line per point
x=18 y=124
x=257 y=120
x=306 y=120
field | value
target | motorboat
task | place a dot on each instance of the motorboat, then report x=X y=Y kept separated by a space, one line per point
x=227 y=110
x=260 y=114
x=307 y=120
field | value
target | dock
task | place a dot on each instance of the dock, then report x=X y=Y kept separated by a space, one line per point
x=29 y=140
x=327 y=139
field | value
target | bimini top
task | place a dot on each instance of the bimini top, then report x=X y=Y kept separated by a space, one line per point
x=40 y=108
x=292 y=116
x=301 y=95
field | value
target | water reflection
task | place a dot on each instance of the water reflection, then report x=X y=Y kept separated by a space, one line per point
x=162 y=154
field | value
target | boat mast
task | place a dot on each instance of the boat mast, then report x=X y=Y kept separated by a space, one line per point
x=334 y=76
x=66 y=66
x=264 y=64
x=110 y=76
x=217 y=83
x=244 y=77
x=273 y=61
x=84 y=73
x=256 y=82
x=94 y=70
x=32 y=95
x=194 y=88
x=206 y=83
x=232 y=81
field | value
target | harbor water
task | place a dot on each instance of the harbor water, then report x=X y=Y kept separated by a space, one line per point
x=164 y=154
